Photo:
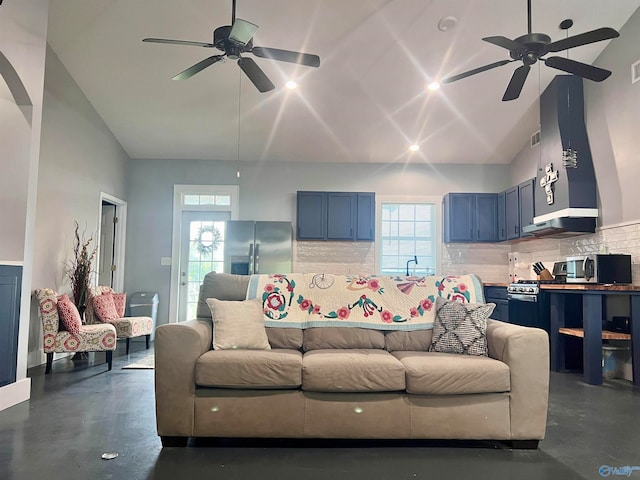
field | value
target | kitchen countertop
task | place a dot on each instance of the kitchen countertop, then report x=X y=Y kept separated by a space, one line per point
x=591 y=287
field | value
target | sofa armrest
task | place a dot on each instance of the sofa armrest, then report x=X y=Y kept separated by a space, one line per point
x=177 y=348
x=526 y=351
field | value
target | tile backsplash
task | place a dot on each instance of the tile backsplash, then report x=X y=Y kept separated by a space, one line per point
x=490 y=261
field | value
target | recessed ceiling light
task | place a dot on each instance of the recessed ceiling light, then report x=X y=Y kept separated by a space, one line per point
x=291 y=85
x=433 y=86
x=447 y=23
x=414 y=148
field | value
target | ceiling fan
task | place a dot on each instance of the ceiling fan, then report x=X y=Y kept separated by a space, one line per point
x=532 y=47
x=234 y=40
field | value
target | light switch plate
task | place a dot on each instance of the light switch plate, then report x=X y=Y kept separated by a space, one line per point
x=165 y=261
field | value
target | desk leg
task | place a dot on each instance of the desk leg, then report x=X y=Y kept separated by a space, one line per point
x=635 y=338
x=592 y=345
x=557 y=344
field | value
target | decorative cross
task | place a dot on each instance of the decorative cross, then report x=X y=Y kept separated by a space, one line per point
x=548 y=180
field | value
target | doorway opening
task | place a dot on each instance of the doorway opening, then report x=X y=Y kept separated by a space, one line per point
x=110 y=265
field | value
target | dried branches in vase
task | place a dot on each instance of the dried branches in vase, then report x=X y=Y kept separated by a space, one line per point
x=79 y=269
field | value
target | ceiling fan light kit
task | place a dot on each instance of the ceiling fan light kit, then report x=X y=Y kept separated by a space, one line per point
x=532 y=47
x=234 y=40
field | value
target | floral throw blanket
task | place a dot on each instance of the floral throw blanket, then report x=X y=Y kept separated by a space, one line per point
x=376 y=302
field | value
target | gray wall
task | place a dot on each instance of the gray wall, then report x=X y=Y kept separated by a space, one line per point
x=267 y=192
x=612 y=113
x=612 y=109
x=23 y=29
x=79 y=159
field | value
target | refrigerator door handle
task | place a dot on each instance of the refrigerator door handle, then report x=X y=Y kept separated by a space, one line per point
x=256 y=262
x=251 y=259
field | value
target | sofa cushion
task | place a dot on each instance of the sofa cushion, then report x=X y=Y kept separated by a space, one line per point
x=280 y=337
x=238 y=325
x=223 y=286
x=432 y=373
x=408 y=341
x=257 y=369
x=342 y=337
x=351 y=370
x=461 y=327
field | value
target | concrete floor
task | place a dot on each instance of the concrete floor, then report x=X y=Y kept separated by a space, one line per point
x=81 y=411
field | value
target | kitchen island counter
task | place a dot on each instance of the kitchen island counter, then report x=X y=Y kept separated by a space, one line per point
x=593 y=297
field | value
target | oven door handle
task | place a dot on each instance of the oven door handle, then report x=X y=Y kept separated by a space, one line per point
x=519 y=297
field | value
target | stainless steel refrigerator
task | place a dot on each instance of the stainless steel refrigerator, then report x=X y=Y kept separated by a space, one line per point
x=257 y=247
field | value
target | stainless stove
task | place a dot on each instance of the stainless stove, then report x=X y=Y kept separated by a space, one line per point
x=526 y=290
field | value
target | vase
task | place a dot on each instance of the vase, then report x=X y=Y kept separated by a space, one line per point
x=81 y=310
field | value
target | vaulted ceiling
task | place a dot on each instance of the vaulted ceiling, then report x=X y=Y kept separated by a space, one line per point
x=367 y=102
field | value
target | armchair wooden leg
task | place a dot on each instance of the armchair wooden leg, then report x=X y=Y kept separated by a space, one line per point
x=49 y=362
x=110 y=358
x=147 y=339
x=127 y=343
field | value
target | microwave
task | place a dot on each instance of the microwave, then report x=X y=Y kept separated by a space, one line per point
x=599 y=268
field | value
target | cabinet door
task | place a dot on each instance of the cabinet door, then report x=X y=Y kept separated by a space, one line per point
x=341 y=209
x=486 y=217
x=527 y=203
x=366 y=216
x=10 y=287
x=311 y=216
x=512 y=216
x=458 y=212
x=502 y=217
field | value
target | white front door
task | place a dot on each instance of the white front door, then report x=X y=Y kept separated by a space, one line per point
x=201 y=252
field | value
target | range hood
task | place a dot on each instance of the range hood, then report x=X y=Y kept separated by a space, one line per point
x=562 y=227
x=565 y=197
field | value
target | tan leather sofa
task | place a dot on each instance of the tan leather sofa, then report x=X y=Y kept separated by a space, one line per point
x=347 y=383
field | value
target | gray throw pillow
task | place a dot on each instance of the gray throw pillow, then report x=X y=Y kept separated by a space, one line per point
x=461 y=327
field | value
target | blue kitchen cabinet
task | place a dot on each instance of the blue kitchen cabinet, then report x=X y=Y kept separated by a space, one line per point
x=10 y=288
x=336 y=216
x=512 y=213
x=486 y=217
x=519 y=209
x=498 y=295
x=526 y=201
x=502 y=216
x=341 y=211
x=470 y=217
x=311 y=216
x=365 y=216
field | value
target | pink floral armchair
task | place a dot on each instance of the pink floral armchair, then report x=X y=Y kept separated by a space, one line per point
x=99 y=311
x=89 y=338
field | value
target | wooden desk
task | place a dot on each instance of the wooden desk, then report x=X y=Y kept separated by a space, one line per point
x=592 y=316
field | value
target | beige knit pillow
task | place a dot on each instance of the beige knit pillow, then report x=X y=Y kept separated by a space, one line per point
x=238 y=325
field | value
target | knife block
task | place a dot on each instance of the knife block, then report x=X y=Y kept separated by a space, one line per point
x=545 y=275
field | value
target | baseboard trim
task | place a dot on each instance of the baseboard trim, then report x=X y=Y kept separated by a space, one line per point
x=15 y=393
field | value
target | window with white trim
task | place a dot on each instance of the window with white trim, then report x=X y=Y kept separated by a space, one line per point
x=407 y=230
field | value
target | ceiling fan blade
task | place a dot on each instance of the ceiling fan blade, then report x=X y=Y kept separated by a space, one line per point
x=307 y=59
x=242 y=32
x=460 y=76
x=504 y=42
x=178 y=42
x=191 y=71
x=255 y=74
x=578 y=68
x=593 y=36
x=517 y=82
